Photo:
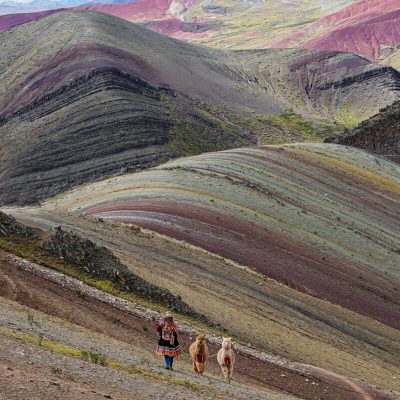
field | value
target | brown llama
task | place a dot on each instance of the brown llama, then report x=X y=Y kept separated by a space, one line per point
x=226 y=358
x=198 y=352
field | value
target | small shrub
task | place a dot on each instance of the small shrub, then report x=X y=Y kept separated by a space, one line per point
x=94 y=358
x=114 y=320
x=40 y=339
x=32 y=322
x=56 y=370
x=81 y=294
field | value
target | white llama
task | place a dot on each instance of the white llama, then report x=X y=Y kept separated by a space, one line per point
x=226 y=358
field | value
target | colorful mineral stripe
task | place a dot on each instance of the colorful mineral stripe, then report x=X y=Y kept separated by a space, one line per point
x=320 y=218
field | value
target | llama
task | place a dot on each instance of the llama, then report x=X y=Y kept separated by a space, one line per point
x=199 y=353
x=226 y=358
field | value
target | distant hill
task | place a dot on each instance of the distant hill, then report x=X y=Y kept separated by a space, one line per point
x=233 y=24
x=369 y=28
x=85 y=95
x=11 y=7
x=379 y=134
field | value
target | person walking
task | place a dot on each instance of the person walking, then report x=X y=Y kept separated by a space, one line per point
x=168 y=345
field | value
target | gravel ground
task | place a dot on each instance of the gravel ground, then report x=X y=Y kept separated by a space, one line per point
x=70 y=312
x=295 y=326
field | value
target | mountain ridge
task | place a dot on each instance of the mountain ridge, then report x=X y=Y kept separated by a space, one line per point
x=153 y=98
x=275 y=209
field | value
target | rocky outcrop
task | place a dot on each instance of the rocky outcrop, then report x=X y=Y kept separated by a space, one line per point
x=383 y=72
x=9 y=225
x=96 y=261
x=92 y=127
x=100 y=262
x=215 y=9
x=379 y=134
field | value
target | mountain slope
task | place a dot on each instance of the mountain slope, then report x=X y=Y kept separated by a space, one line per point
x=122 y=331
x=294 y=325
x=380 y=134
x=322 y=221
x=86 y=95
x=367 y=28
x=305 y=215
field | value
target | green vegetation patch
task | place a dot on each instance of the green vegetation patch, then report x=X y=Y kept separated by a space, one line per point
x=95 y=358
x=345 y=118
x=293 y=124
x=198 y=130
x=287 y=127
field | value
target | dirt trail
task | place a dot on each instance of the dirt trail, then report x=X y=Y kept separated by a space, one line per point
x=356 y=388
x=77 y=319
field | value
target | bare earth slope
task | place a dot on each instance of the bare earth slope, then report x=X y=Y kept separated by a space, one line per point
x=85 y=95
x=305 y=215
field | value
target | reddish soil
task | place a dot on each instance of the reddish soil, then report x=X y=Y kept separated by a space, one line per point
x=97 y=316
x=306 y=268
x=10 y=20
x=361 y=28
x=146 y=9
x=365 y=38
x=95 y=55
x=272 y=254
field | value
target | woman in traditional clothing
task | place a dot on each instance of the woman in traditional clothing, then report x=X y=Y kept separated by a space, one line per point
x=168 y=345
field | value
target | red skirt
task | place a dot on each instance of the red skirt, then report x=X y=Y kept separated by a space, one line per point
x=165 y=348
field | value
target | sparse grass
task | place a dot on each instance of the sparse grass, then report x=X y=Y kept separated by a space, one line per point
x=40 y=339
x=345 y=118
x=293 y=123
x=95 y=358
x=81 y=294
x=113 y=319
x=249 y=110
x=46 y=343
x=270 y=20
x=31 y=320
x=202 y=133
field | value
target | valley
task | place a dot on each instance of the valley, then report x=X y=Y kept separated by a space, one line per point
x=234 y=163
